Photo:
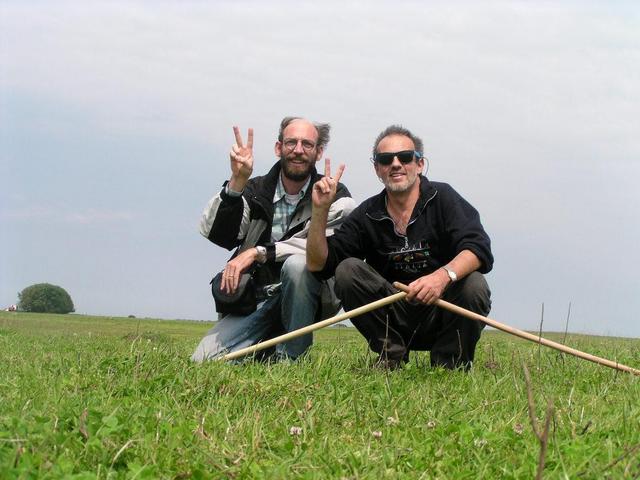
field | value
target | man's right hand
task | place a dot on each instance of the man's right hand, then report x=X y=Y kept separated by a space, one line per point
x=241 y=157
x=235 y=268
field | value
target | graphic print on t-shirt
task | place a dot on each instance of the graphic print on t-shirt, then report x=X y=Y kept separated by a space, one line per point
x=411 y=259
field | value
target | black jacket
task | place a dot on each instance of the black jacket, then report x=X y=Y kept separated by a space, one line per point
x=246 y=221
x=442 y=225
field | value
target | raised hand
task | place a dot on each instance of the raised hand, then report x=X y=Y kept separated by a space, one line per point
x=241 y=157
x=324 y=190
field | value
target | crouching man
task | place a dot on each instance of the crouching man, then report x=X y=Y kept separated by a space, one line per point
x=417 y=232
x=266 y=220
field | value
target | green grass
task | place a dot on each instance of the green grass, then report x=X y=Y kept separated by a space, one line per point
x=99 y=397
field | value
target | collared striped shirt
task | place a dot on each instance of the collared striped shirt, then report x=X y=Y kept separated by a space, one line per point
x=283 y=207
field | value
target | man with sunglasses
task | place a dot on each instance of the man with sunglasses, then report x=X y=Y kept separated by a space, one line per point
x=418 y=232
x=266 y=220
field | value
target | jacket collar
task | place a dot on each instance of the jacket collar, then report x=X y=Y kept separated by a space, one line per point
x=378 y=208
x=281 y=192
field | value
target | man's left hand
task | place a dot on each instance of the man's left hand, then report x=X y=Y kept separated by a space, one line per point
x=235 y=268
x=429 y=288
x=324 y=190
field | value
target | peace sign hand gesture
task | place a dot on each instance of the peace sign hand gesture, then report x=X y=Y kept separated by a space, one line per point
x=241 y=157
x=324 y=190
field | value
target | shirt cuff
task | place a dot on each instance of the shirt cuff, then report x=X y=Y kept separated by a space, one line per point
x=231 y=193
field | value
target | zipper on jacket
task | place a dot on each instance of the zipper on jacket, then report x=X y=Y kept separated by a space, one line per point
x=423 y=207
x=386 y=217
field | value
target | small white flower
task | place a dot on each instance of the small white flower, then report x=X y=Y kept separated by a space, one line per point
x=431 y=424
x=377 y=434
x=479 y=442
x=295 y=431
x=392 y=421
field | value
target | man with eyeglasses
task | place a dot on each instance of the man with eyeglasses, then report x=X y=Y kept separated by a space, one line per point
x=418 y=232
x=266 y=220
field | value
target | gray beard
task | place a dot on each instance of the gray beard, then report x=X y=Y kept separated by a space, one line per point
x=392 y=187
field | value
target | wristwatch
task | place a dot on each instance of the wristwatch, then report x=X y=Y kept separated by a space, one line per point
x=452 y=275
x=262 y=254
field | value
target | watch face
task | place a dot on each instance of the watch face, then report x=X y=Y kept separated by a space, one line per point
x=262 y=254
x=452 y=275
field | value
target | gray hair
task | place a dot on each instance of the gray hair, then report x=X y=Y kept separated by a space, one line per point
x=323 y=130
x=399 y=130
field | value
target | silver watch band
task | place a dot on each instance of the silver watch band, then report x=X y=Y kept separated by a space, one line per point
x=452 y=275
x=262 y=254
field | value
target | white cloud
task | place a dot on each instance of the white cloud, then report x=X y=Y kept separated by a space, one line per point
x=191 y=67
x=40 y=213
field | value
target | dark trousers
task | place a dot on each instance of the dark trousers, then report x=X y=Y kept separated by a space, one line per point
x=394 y=330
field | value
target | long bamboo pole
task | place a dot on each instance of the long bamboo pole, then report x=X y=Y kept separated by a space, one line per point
x=316 y=326
x=526 y=335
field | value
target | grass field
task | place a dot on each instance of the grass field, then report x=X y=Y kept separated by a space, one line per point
x=101 y=397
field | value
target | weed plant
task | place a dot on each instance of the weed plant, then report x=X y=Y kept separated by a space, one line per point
x=96 y=397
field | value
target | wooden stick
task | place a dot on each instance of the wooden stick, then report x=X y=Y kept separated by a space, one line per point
x=527 y=336
x=315 y=326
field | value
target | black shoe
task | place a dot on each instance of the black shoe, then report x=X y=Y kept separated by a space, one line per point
x=385 y=363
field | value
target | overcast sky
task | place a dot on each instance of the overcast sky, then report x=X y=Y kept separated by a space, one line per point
x=115 y=127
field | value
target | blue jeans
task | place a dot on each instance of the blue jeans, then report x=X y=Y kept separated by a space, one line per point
x=292 y=308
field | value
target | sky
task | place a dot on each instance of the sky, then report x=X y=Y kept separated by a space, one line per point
x=116 y=122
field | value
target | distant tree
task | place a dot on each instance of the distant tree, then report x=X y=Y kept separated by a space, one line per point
x=45 y=298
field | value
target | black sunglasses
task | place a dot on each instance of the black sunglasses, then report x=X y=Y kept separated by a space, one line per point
x=405 y=157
